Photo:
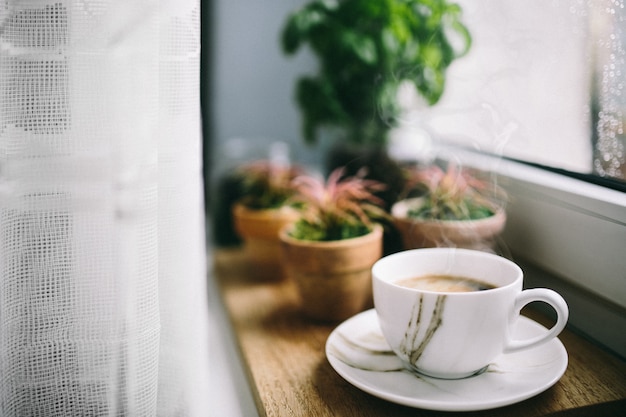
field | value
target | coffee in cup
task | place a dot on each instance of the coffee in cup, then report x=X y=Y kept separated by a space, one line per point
x=448 y=312
x=444 y=283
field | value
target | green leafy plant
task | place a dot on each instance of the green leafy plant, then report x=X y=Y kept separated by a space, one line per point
x=265 y=184
x=455 y=194
x=367 y=50
x=340 y=208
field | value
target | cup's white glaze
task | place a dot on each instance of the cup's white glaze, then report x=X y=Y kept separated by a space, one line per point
x=452 y=334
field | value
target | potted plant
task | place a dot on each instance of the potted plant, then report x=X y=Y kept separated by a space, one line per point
x=456 y=208
x=330 y=250
x=262 y=210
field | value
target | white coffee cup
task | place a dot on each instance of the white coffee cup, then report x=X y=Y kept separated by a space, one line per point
x=453 y=335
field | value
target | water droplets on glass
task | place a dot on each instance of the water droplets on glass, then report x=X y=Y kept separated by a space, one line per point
x=609 y=28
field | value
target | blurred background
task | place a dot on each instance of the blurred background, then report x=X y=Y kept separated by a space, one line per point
x=543 y=83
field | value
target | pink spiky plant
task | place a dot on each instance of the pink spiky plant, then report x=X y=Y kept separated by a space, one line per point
x=455 y=194
x=267 y=185
x=340 y=208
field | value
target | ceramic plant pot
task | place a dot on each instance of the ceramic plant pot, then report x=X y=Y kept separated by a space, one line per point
x=470 y=234
x=259 y=230
x=333 y=278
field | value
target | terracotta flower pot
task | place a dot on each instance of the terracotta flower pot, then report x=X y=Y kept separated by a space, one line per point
x=334 y=277
x=259 y=230
x=469 y=234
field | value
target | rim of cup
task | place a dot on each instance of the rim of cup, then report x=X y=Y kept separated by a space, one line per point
x=512 y=267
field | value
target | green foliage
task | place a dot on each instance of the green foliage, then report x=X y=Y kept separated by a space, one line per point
x=435 y=209
x=306 y=230
x=340 y=208
x=366 y=50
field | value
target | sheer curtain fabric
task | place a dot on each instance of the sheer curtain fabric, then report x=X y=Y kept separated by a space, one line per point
x=102 y=256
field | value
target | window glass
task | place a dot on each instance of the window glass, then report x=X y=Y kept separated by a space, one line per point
x=608 y=34
x=544 y=82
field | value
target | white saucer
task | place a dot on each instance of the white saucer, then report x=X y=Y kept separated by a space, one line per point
x=357 y=350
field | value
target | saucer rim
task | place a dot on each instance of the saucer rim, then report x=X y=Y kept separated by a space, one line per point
x=439 y=405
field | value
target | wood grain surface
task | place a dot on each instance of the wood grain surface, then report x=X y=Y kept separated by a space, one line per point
x=283 y=352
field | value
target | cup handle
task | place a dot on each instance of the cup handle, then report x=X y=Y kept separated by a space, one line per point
x=547 y=296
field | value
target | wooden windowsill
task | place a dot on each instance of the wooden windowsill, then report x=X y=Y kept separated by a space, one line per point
x=283 y=353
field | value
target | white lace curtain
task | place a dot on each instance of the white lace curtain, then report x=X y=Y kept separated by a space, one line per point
x=102 y=258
